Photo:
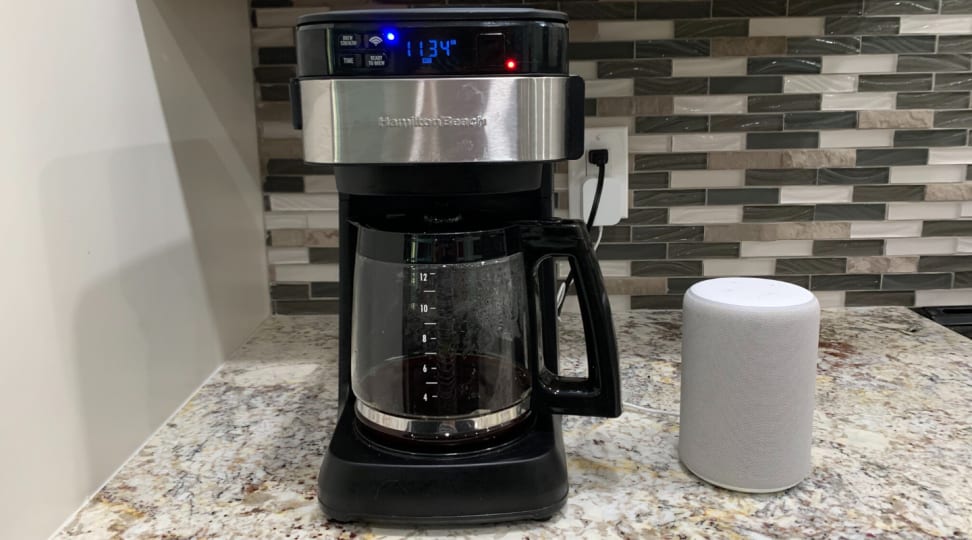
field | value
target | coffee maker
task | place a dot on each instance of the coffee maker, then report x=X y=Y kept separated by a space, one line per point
x=442 y=126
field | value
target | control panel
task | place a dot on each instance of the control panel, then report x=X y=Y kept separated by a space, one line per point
x=431 y=47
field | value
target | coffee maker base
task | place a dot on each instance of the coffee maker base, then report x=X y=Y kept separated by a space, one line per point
x=525 y=478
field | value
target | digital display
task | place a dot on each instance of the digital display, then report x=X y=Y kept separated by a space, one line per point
x=430 y=50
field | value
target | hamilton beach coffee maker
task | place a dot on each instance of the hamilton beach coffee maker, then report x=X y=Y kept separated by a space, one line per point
x=442 y=126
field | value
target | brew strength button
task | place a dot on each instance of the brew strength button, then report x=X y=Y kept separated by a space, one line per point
x=375 y=60
x=349 y=60
x=349 y=41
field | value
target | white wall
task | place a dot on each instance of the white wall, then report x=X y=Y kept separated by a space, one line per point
x=132 y=244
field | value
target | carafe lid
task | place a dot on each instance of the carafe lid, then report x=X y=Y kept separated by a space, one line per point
x=447 y=247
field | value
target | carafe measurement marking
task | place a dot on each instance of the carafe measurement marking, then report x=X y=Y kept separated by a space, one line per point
x=427 y=309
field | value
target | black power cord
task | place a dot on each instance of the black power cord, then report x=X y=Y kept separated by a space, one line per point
x=600 y=158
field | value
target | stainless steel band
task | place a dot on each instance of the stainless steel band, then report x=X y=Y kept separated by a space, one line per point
x=435 y=120
x=442 y=428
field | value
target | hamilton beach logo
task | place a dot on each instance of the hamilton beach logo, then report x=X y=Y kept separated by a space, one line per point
x=431 y=121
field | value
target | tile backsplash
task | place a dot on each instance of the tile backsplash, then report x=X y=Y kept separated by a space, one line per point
x=820 y=142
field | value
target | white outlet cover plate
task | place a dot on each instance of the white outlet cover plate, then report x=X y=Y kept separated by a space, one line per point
x=582 y=177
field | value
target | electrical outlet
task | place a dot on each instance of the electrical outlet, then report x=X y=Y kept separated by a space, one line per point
x=582 y=177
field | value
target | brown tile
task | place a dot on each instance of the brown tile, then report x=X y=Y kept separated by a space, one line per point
x=274 y=111
x=583 y=31
x=281 y=149
x=652 y=105
x=746 y=160
x=814 y=159
x=895 y=119
x=834 y=230
x=287 y=238
x=949 y=192
x=321 y=237
x=635 y=285
x=881 y=265
x=306 y=307
x=882 y=298
x=615 y=106
x=661 y=301
x=753 y=46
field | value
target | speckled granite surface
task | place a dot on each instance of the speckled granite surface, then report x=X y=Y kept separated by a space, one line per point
x=892 y=448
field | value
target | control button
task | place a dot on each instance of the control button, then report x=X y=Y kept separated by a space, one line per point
x=349 y=41
x=349 y=60
x=375 y=60
x=373 y=40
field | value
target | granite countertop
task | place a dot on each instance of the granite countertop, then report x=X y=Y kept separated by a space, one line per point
x=892 y=450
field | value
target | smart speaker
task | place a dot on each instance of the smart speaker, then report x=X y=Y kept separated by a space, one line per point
x=749 y=354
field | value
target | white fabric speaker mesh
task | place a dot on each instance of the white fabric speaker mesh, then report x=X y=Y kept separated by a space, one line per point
x=749 y=355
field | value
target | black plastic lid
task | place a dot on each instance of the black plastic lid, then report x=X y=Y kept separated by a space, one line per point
x=436 y=248
x=435 y=14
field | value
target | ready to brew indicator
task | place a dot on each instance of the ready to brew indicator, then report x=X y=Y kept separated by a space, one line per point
x=427 y=312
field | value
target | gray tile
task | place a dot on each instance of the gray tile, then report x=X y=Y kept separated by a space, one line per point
x=625 y=252
x=671 y=86
x=857 y=26
x=946 y=228
x=761 y=8
x=894 y=83
x=900 y=7
x=945 y=263
x=320 y=255
x=879 y=298
x=653 y=180
x=963 y=280
x=826 y=7
x=799 y=281
x=933 y=62
x=626 y=69
x=600 y=49
x=274 y=74
x=673 y=10
x=284 y=291
x=960 y=7
x=599 y=10
x=913 y=282
x=780 y=177
x=670 y=233
x=296 y=167
x=746 y=122
x=322 y=289
x=275 y=92
x=812 y=265
x=616 y=234
x=671 y=48
x=277 y=55
x=889 y=193
x=931 y=137
x=283 y=184
x=849 y=212
x=703 y=250
x=743 y=196
x=933 y=100
x=954 y=44
x=798 y=139
x=671 y=124
x=953 y=81
x=678 y=285
x=883 y=156
x=777 y=213
x=657 y=301
x=590 y=107
x=745 y=85
x=848 y=247
x=845 y=282
x=820 y=120
x=670 y=162
x=787 y=102
x=666 y=268
x=897 y=44
x=615 y=106
x=823 y=45
x=863 y=175
x=306 y=307
x=953 y=119
x=711 y=28
x=783 y=65
x=646 y=216
x=678 y=197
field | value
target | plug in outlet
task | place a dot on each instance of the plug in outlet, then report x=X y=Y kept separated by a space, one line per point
x=582 y=177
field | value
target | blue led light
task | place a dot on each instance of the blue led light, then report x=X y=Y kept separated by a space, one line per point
x=390 y=36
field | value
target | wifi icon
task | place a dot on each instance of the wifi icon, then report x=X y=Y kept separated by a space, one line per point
x=375 y=41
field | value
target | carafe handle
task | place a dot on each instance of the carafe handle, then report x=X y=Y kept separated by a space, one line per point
x=600 y=393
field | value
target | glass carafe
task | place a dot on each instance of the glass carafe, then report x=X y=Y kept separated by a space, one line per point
x=445 y=328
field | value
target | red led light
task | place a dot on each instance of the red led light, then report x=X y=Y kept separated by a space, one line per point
x=511 y=64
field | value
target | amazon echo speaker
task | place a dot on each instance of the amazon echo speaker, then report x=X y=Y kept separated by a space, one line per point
x=749 y=357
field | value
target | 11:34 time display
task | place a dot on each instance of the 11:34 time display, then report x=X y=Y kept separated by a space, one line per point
x=429 y=49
